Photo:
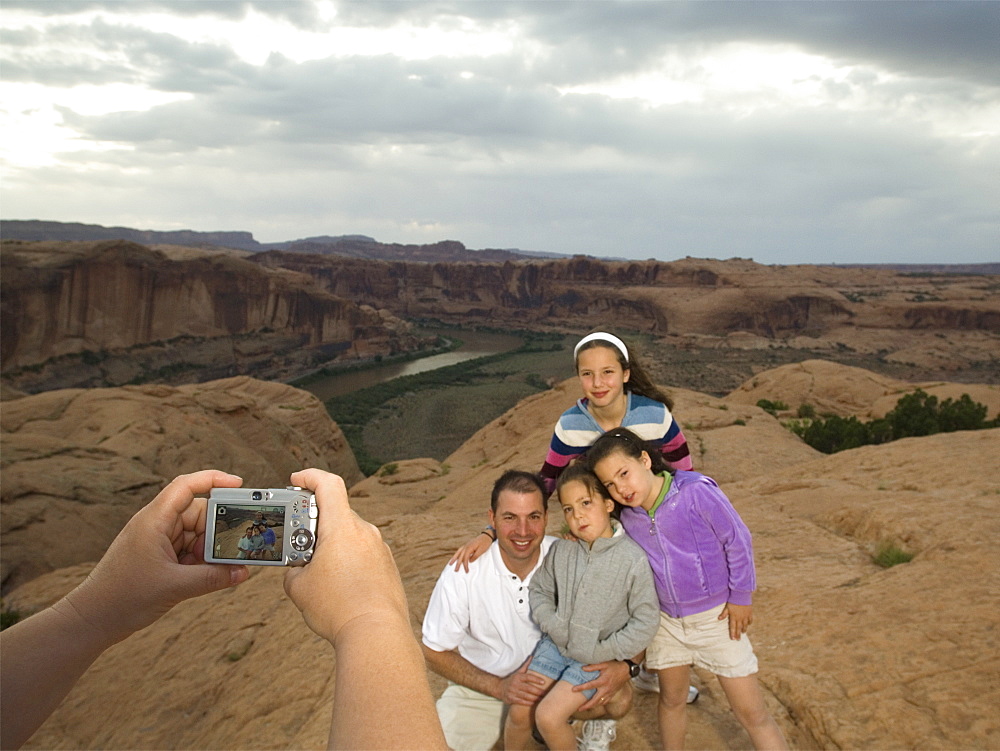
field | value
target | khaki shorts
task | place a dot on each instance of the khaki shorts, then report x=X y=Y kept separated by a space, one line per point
x=471 y=721
x=701 y=640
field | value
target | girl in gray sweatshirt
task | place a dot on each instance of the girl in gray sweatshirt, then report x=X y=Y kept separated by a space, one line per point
x=594 y=600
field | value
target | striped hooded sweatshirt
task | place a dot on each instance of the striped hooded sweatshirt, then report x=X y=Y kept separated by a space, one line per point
x=577 y=430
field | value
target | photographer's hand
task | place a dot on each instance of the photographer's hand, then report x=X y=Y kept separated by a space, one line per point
x=155 y=562
x=351 y=595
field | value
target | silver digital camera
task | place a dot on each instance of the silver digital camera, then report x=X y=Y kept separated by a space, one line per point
x=260 y=526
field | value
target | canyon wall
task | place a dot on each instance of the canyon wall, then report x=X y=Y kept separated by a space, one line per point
x=212 y=309
x=690 y=296
x=111 y=313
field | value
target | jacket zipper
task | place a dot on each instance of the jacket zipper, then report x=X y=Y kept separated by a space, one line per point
x=666 y=563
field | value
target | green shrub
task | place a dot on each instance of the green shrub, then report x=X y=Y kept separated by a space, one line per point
x=916 y=414
x=806 y=412
x=836 y=434
x=536 y=381
x=389 y=469
x=771 y=407
x=889 y=554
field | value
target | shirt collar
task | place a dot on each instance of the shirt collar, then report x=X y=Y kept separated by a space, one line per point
x=668 y=481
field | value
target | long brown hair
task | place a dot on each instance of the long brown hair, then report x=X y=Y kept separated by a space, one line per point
x=639 y=381
x=624 y=441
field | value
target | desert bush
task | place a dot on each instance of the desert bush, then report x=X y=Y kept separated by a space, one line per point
x=771 y=407
x=916 y=414
x=536 y=381
x=889 y=554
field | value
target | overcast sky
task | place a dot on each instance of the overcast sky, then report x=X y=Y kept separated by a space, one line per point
x=801 y=132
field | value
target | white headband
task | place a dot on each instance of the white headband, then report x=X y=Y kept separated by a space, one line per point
x=601 y=336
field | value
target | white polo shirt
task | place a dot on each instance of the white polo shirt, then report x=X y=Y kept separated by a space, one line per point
x=484 y=613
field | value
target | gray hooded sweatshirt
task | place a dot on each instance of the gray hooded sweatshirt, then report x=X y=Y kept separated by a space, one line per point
x=596 y=603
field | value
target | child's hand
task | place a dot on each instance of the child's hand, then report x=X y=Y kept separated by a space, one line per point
x=470 y=551
x=740 y=617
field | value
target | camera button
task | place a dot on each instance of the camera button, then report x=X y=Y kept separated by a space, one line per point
x=302 y=539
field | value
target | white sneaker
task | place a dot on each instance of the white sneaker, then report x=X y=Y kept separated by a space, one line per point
x=597 y=735
x=648 y=681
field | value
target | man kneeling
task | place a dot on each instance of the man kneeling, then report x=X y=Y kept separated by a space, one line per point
x=478 y=632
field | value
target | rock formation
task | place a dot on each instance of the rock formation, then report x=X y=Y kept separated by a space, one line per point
x=940 y=320
x=111 y=313
x=78 y=463
x=38 y=231
x=840 y=390
x=107 y=313
x=852 y=655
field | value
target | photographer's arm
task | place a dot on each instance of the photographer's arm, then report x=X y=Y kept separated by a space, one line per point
x=144 y=573
x=351 y=595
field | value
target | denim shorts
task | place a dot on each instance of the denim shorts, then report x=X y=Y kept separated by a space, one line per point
x=550 y=662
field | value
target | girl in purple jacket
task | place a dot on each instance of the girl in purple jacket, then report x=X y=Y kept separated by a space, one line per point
x=702 y=560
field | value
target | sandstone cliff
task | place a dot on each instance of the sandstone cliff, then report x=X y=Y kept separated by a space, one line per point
x=116 y=310
x=112 y=313
x=942 y=320
x=78 y=463
x=852 y=655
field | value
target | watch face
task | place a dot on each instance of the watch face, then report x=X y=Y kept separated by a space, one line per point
x=633 y=669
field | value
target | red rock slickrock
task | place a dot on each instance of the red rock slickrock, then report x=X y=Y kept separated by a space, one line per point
x=852 y=655
x=77 y=463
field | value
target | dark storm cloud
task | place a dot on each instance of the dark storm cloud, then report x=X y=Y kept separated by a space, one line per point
x=929 y=39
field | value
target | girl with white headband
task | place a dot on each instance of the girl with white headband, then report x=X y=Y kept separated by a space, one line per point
x=617 y=393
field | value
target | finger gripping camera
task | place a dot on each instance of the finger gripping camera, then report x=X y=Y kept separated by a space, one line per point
x=260 y=526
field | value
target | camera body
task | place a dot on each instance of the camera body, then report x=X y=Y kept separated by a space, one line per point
x=260 y=526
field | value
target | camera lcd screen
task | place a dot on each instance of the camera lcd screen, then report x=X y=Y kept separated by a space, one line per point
x=249 y=532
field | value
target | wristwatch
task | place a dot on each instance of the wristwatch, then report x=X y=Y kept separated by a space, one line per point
x=633 y=668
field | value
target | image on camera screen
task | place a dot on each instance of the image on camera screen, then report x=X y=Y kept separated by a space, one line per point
x=249 y=532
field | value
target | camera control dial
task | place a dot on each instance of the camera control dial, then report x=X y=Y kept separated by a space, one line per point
x=302 y=539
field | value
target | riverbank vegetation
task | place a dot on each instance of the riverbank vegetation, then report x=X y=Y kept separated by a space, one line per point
x=431 y=413
x=443 y=344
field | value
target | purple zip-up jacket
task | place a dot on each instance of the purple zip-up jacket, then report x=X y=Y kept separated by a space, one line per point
x=698 y=547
